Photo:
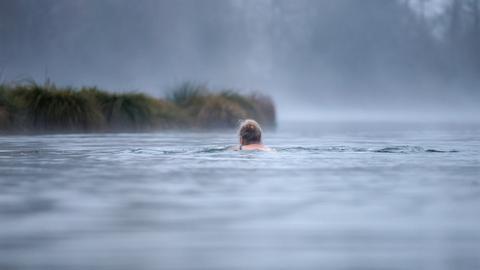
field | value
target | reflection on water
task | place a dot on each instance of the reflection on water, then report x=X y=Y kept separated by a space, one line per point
x=359 y=198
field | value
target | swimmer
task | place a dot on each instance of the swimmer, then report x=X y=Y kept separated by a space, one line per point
x=250 y=134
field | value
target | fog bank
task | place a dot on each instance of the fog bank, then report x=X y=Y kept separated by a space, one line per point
x=346 y=59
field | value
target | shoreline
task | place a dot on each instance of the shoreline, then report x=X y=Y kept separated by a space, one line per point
x=30 y=108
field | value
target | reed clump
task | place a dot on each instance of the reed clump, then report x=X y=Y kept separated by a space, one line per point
x=30 y=107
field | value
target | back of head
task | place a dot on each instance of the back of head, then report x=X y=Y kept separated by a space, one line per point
x=250 y=132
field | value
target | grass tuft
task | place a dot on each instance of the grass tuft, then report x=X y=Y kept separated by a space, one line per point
x=46 y=108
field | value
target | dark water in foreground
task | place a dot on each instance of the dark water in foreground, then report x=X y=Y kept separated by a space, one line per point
x=362 y=197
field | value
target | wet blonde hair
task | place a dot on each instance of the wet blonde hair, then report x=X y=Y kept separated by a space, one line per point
x=250 y=132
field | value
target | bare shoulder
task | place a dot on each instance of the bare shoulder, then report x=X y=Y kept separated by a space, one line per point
x=267 y=149
x=253 y=147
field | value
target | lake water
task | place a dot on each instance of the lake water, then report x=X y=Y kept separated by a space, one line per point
x=359 y=196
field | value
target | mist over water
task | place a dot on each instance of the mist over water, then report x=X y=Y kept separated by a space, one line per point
x=352 y=197
x=376 y=147
x=320 y=60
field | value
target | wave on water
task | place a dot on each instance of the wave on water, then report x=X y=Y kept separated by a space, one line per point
x=151 y=151
x=321 y=149
x=402 y=149
x=214 y=149
x=405 y=149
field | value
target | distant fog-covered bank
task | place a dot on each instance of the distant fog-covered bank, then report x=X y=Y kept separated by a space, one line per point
x=30 y=107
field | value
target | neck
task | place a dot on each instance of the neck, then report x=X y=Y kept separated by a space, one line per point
x=256 y=143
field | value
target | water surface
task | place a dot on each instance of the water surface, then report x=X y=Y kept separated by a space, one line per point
x=352 y=197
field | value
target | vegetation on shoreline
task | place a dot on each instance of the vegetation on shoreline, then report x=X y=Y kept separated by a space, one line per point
x=30 y=107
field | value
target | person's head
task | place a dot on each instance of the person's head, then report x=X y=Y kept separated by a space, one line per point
x=250 y=132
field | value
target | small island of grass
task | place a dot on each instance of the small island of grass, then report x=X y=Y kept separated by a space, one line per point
x=34 y=108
